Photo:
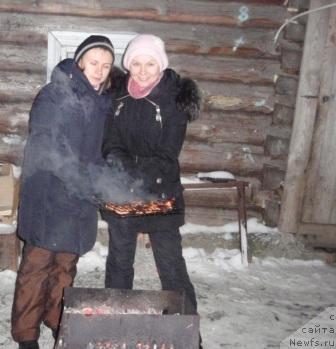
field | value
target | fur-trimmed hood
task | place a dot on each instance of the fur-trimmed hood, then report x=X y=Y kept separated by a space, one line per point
x=189 y=98
x=188 y=95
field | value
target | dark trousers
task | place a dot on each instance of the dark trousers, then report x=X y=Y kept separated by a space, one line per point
x=41 y=278
x=167 y=251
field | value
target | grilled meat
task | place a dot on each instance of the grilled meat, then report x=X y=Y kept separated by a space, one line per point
x=141 y=208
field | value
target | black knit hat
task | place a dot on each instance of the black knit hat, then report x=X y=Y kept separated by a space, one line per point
x=91 y=42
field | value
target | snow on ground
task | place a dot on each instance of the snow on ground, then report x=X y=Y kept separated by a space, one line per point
x=251 y=307
x=253 y=227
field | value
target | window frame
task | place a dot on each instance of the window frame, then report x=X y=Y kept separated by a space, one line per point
x=63 y=44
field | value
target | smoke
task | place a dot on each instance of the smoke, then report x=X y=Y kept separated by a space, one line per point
x=114 y=184
x=50 y=148
x=95 y=182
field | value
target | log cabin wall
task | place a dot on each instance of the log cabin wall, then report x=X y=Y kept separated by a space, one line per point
x=227 y=46
x=290 y=46
x=308 y=205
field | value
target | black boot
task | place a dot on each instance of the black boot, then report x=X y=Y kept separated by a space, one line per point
x=54 y=334
x=29 y=345
x=200 y=342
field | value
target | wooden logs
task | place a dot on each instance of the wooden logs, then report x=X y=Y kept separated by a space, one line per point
x=259 y=72
x=304 y=121
x=233 y=14
x=235 y=158
x=225 y=128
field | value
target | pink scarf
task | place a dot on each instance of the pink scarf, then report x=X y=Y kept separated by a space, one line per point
x=137 y=91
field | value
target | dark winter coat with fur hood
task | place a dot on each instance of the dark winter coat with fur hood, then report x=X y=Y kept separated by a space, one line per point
x=144 y=137
x=62 y=152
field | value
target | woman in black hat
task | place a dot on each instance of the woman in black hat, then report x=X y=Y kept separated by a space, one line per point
x=57 y=218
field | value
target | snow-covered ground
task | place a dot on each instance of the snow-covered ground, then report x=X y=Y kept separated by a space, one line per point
x=251 y=307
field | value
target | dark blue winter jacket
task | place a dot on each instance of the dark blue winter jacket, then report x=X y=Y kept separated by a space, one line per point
x=62 y=154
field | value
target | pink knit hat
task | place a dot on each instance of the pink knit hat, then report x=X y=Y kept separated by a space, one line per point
x=146 y=44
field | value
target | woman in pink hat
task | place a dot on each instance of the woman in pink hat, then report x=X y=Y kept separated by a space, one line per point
x=144 y=137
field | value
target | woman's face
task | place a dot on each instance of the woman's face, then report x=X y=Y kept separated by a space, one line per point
x=96 y=65
x=144 y=70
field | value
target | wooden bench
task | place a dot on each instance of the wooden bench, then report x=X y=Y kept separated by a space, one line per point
x=217 y=193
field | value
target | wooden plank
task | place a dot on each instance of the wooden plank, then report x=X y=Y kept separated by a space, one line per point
x=215 y=196
x=295 y=32
x=24 y=67
x=241 y=103
x=291 y=61
x=271 y=213
x=280 y=164
x=26 y=59
x=239 y=117
x=21 y=97
x=9 y=143
x=283 y=115
x=258 y=71
x=286 y=85
x=305 y=112
x=237 y=42
x=286 y=100
x=316 y=229
x=222 y=128
x=12 y=158
x=290 y=45
x=213 y=13
x=276 y=147
x=18 y=87
x=280 y=131
x=14 y=119
x=262 y=197
x=14 y=82
x=237 y=97
x=318 y=235
x=29 y=38
x=263 y=2
x=235 y=158
x=320 y=195
x=273 y=177
x=300 y=5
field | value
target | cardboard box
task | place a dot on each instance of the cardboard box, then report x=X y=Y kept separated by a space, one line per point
x=8 y=190
x=9 y=194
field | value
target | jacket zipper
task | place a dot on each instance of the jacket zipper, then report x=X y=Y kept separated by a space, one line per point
x=158 y=116
x=120 y=105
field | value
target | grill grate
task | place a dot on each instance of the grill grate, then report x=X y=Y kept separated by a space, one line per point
x=140 y=209
x=127 y=319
